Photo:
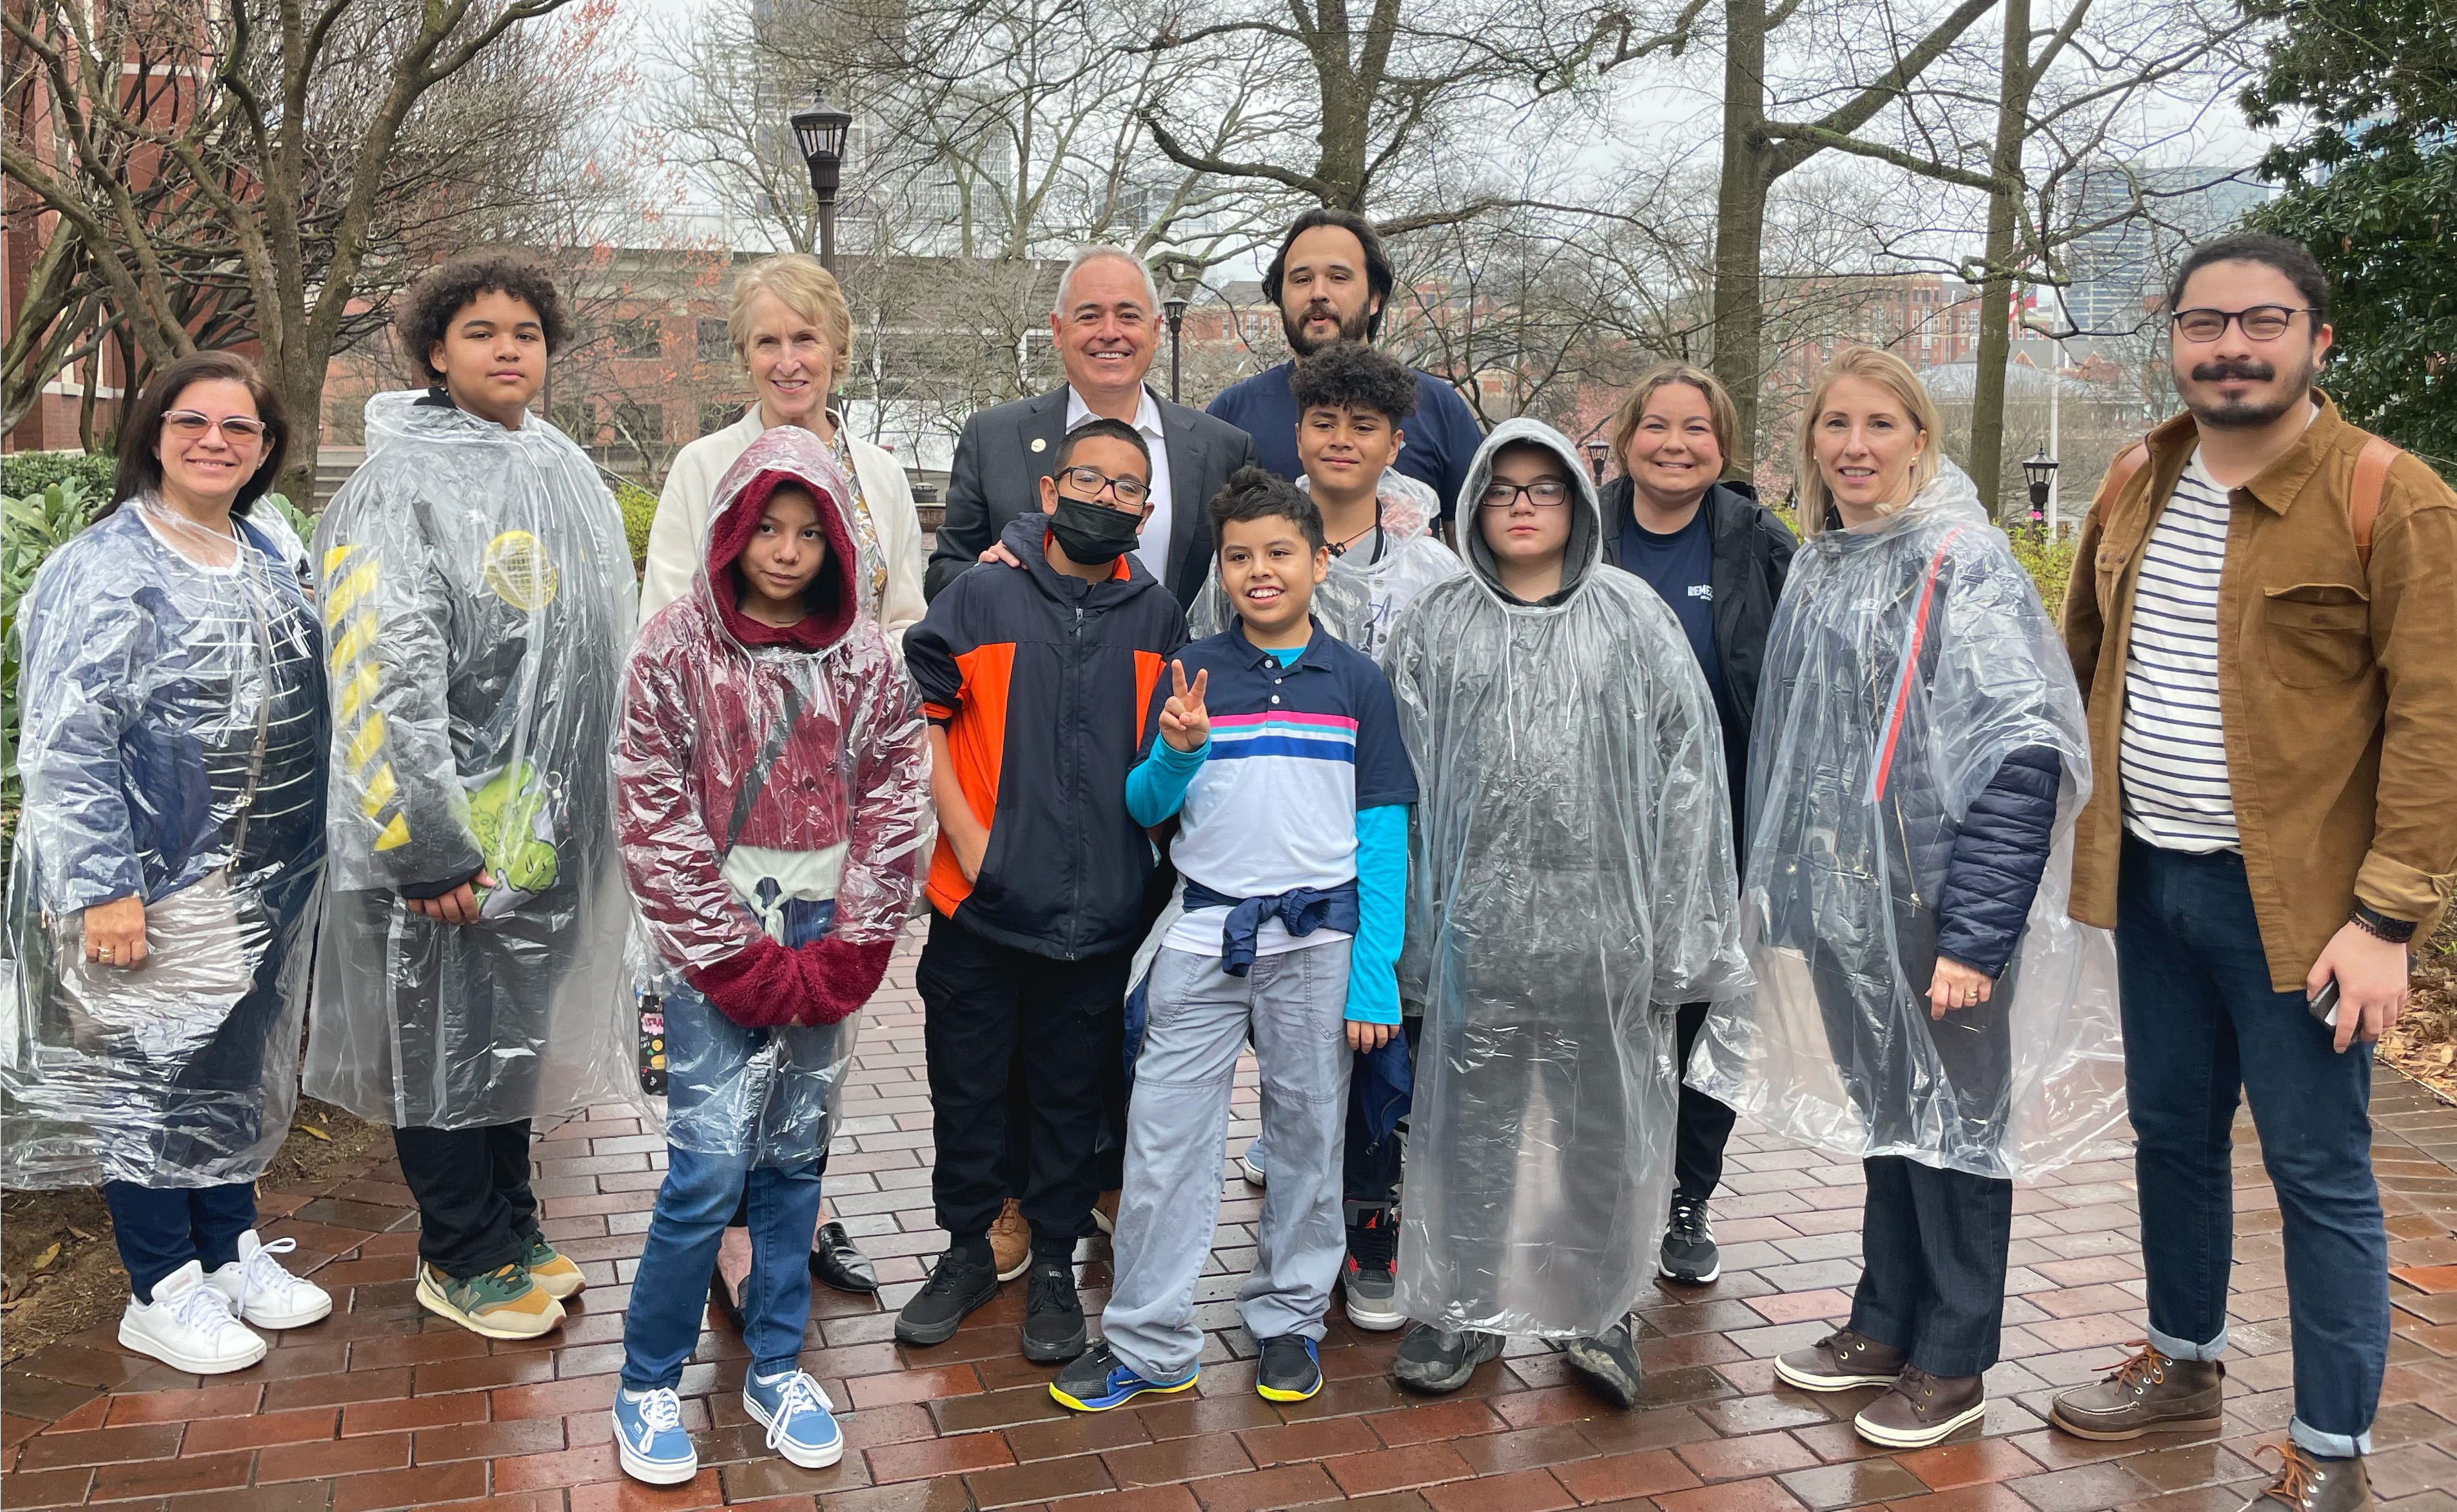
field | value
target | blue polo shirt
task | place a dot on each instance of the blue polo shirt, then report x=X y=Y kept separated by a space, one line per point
x=1442 y=436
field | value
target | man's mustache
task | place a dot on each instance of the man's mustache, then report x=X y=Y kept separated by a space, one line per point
x=2250 y=370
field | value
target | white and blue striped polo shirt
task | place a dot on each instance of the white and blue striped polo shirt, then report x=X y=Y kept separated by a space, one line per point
x=1297 y=751
x=2172 y=752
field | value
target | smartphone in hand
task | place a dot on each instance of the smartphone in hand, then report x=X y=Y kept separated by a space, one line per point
x=2323 y=1005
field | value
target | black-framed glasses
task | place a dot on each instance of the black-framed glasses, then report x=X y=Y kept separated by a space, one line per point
x=2261 y=323
x=1090 y=481
x=1548 y=493
x=192 y=424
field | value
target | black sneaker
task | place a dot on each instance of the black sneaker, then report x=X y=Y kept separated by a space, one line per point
x=1689 y=1253
x=1053 y=1315
x=1435 y=1360
x=959 y=1284
x=1366 y=1277
x=1291 y=1369
x=1609 y=1362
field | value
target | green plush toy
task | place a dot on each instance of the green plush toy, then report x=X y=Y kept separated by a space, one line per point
x=513 y=832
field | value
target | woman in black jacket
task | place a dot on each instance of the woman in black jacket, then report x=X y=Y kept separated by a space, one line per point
x=1717 y=557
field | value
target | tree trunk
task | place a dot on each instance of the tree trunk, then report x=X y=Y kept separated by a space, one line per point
x=1996 y=290
x=1740 y=224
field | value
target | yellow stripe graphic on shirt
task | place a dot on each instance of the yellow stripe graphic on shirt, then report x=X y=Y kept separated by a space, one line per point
x=351 y=579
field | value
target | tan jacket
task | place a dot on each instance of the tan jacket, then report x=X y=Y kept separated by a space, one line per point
x=2336 y=686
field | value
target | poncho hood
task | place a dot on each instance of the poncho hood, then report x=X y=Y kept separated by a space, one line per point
x=1585 y=550
x=783 y=455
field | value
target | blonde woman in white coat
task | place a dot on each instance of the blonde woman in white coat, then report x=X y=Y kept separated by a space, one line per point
x=790 y=328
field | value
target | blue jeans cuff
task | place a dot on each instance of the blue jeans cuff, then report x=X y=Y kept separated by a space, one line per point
x=2175 y=1348
x=2336 y=1445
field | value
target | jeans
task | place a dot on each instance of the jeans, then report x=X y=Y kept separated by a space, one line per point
x=1706 y=1124
x=988 y=1007
x=1370 y=1174
x=670 y=1292
x=1932 y=1246
x=2200 y=1022
x=160 y=1229
x=1294 y=1005
x=475 y=1211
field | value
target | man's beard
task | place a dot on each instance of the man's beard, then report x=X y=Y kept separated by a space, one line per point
x=1352 y=328
x=2242 y=415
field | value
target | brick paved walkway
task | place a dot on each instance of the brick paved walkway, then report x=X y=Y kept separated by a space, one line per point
x=382 y=1406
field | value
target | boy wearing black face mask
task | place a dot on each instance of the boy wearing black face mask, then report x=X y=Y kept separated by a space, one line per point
x=1036 y=683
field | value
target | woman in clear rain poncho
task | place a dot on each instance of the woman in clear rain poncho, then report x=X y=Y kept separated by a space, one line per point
x=1572 y=882
x=771 y=783
x=1922 y=1001
x=477 y=604
x=164 y=881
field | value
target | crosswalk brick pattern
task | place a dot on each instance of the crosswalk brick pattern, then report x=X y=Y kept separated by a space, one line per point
x=383 y=1407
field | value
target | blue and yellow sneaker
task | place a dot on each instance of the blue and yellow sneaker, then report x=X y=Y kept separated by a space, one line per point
x=1290 y=1370
x=1096 y=1381
x=800 y=1418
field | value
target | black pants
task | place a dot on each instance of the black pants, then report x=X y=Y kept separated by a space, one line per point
x=990 y=1009
x=160 y=1229
x=1706 y=1124
x=1370 y=1167
x=475 y=1213
x=1932 y=1246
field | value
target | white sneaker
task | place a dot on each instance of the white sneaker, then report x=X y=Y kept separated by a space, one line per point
x=189 y=1326
x=260 y=1292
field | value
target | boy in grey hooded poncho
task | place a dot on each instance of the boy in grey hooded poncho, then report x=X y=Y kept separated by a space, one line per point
x=1572 y=881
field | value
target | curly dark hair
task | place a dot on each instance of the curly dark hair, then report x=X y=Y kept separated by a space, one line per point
x=1257 y=493
x=1352 y=376
x=449 y=288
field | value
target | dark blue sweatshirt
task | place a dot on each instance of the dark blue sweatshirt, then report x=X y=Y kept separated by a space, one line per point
x=1442 y=436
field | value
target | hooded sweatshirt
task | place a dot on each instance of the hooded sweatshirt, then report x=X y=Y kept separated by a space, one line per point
x=757 y=763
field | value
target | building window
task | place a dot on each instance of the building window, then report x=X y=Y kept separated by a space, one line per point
x=641 y=335
x=715 y=345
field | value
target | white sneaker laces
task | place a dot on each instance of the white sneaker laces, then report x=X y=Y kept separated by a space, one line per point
x=661 y=1411
x=800 y=1393
x=263 y=1272
x=203 y=1309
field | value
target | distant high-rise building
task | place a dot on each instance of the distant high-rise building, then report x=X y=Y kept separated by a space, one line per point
x=2120 y=271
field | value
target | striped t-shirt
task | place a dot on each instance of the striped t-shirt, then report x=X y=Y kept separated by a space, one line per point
x=2172 y=755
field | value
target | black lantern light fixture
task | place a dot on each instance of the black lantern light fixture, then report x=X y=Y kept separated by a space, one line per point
x=819 y=132
x=1597 y=452
x=1174 y=307
x=2041 y=473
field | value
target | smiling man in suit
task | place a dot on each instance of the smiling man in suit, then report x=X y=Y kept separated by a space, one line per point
x=1106 y=326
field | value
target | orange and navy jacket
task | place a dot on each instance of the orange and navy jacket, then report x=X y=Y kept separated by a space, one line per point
x=1043 y=682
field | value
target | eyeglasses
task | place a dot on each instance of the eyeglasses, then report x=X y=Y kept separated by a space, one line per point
x=2262 y=322
x=1550 y=493
x=1091 y=481
x=233 y=428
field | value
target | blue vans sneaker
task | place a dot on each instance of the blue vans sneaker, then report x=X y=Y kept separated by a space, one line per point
x=1097 y=1380
x=649 y=1435
x=800 y=1418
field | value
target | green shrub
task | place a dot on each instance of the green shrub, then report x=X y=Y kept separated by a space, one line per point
x=36 y=524
x=24 y=473
x=639 y=511
x=2049 y=563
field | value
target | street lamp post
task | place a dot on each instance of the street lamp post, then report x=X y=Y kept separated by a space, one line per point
x=2041 y=473
x=1597 y=452
x=1175 y=307
x=819 y=132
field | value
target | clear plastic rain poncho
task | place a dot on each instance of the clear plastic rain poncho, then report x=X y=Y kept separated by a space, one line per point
x=759 y=787
x=1361 y=600
x=1571 y=882
x=1906 y=660
x=174 y=751
x=477 y=598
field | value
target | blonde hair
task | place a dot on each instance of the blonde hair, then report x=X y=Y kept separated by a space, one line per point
x=1891 y=374
x=1721 y=412
x=802 y=286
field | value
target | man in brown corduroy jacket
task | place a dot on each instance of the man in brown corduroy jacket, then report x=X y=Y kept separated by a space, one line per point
x=2264 y=620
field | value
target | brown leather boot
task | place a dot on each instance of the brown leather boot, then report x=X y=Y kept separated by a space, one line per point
x=1010 y=1241
x=2149 y=1392
x=1922 y=1409
x=2310 y=1484
x=1839 y=1362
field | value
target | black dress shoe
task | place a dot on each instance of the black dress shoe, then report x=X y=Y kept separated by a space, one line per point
x=835 y=1262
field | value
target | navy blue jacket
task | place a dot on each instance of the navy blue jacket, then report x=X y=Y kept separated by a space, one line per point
x=1998 y=858
x=1442 y=436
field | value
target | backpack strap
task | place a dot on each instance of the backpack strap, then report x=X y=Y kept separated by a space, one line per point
x=765 y=762
x=2363 y=499
x=2128 y=461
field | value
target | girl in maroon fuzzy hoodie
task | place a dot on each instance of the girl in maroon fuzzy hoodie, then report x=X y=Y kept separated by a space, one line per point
x=771 y=779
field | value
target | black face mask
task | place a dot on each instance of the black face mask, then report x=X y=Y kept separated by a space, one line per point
x=1093 y=535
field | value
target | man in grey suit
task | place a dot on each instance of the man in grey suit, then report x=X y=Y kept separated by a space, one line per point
x=1107 y=328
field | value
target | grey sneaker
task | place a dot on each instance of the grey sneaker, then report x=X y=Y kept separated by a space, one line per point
x=2147 y=1394
x=1689 y=1255
x=1435 y=1360
x=1366 y=1275
x=1608 y=1363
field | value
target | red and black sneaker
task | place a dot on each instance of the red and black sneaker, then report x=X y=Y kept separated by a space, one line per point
x=1368 y=1277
